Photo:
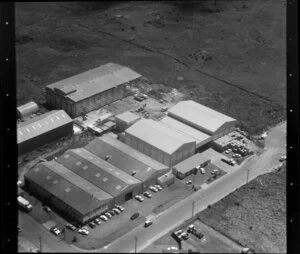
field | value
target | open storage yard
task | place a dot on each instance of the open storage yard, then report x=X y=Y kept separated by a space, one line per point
x=229 y=56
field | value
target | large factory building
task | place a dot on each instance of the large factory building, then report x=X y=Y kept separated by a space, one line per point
x=110 y=179
x=70 y=194
x=124 y=157
x=160 y=141
x=202 y=118
x=90 y=90
x=42 y=129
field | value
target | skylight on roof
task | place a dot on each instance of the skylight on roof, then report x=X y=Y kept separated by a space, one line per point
x=67 y=190
x=118 y=187
x=67 y=156
x=117 y=173
x=104 y=179
x=57 y=118
x=55 y=182
x=63 y=115
x=36 y=169
x=78 y=163
x=98 y=175
x=85 y=167
x=20 y=132
x=33 y=127
x=52 y=120
x=40 y=125
x=27 y=130
x=48 y=177
x=46 y=122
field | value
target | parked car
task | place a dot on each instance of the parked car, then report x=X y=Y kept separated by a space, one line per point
x=97 y=221
x=92 y=224
x=189 y=182
x=139 y=198
x=103 y=217
x=47 y=209
x=152 y=188
x=147 y=194
x=119 y=207
x=116 y=210
x=55 y=230
x=138 y=98
x=134 y=216
x=157 y=186
x=198 y=234
x=191 y=228
x=71 y=227
x=172 y=248
x=112 y=212
x=83 y=231
x=185 y=236
x=202 y=170
x=19 y=183
x=148 y=223
x=282 y=158
x=108 y=215
x=19 y=229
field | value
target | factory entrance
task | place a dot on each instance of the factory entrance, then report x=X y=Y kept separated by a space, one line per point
x=128 y=196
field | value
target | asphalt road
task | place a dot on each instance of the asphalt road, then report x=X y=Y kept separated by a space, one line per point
x=177 y=214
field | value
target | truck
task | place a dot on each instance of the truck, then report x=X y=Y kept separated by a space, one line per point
x=25 y=204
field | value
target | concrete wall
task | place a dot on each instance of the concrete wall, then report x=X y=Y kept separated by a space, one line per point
x=52 y=135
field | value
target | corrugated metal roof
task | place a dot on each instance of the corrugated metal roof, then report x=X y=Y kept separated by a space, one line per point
x=127 y=117
x=94 y=81
x=95 y=170
x=124 y=157
x=159 y=135
x=199 y=115
x=42 y=124
x=191 y=163
x=78 y=181
x=199 y=136
x=63 y=189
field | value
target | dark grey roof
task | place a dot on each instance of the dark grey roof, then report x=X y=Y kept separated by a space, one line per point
x=97 y=171
x=67 y=191
x=191 y=163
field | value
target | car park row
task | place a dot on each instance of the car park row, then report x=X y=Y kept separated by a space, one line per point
x=147 y=194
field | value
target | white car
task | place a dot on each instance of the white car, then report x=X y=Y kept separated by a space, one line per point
x=55 y=231
x=103 y=217
x=139 y=198
x=153 y=189
x=108 y=215
x=83 y=231
x=117 y=211
x=226 y=151
x=189 y=182
x=120 y=208
x=157 y=186
x=19 y=183
x=202 y=170
x=172 y=248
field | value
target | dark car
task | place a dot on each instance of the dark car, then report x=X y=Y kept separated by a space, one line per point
x=92 y=224
x=71 y=227
x=134 y=216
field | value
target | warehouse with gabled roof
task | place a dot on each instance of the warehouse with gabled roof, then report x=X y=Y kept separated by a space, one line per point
x=110 y=179
x=160 y=141
x=203 y=118
x=42 y=129
x=131 y=161
x=90 y=90
x=73 y=196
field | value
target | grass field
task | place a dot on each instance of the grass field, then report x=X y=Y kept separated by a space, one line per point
x=254 y=215
x=229 y=56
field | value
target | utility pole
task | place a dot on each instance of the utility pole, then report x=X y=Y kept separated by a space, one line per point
x=193 y=206
x=40 y=238
x=248 y=171
x=135 y=244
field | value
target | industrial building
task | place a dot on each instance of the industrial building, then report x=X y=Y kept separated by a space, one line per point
x=131 y=161
x=160 y=141
x=200 y=137
x=90 y=90
x=189 y=166
x=42 y=129
x=110 y=179
x=27 y=110
x=125 y=120
x=70 y=194
x=203 y=118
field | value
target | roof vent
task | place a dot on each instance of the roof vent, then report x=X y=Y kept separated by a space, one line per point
x=107 y=157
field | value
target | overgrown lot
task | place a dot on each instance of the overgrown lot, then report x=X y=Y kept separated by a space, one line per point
x=254 y=215
x=228 y=55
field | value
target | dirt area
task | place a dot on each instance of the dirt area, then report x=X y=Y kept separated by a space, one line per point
x=228 y=55
x=254 y=215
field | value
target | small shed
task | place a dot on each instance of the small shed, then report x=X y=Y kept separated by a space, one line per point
x=166 y=179
x=188 y=166
x=27 y=109
x=125 y=120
